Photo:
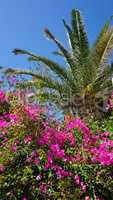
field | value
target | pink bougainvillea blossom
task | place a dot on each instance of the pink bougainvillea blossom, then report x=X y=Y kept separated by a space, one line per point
x=27 y=139
x=43 y=187
x=2 y=168
x=38 y=177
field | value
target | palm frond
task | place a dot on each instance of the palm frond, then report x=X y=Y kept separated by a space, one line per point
x=81 y=47
x=12 y=71
x=67 y=56
x=103 y=31
x=107 y=86
x=79 y=34
x=108 y=49
x=103 y=78
x=49 y=91
x=17 y=51
x=103 y=51
x=43 y=81
x=69 y=34
x=52 y=97
x=42 y=92
x=64 y=51
x=57 y=53
x=55 y=67
x=101 y=46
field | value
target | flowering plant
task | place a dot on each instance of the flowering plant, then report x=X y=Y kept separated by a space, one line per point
x=42 y=160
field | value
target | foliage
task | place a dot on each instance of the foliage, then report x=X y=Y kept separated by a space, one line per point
x=105 y=123
x=83 y=84
x=46 y=159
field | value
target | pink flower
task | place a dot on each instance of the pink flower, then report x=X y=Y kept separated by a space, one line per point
x=3 y=124
x=2 y=96
x=49 y=158
x=105 y=134
x=87 y=198
x=57 y=152
x=74 y=124
x=2 y=168
x=43 y=188
x=14 y=119
x=62 y=173
x=38 y=177
x=24 y=198
x=71 y=139
x=77 y=123
x=61 y=137
x=78 y=157
x=77 y=179
x=83 y=186
x=16 y=141
x=14 y=148
x=28 y=139
x=34 y=153
x=36 y=161
x=54 y=147
x=33 y=111
x=29 y=159
x=47 y=166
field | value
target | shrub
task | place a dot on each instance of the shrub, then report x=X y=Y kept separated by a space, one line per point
x=47 y=159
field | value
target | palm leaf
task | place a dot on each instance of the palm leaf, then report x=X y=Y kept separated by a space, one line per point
x=45 y=82
x=103 y=78
x=103 y=31
x=51 y=64
x=108 y=49
x=64 y=51
x=79 y=34
x=57 y=53
x=99 y=48
x=55 y=67
x=52 y=97
x=81 y=47
x=70 y=37
x=11 y=71
x=67 y=56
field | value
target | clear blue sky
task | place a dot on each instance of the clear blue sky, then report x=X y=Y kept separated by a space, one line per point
x=22 y=23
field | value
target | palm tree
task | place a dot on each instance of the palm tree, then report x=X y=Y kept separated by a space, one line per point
x=84 y=83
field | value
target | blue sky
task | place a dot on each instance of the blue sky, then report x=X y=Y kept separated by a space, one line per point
x=22 y=23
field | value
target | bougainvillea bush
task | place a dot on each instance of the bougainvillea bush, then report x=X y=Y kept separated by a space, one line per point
x=41 y=158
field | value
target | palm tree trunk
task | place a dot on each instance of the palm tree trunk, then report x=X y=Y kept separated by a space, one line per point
x=93 y=109
x=84 y=107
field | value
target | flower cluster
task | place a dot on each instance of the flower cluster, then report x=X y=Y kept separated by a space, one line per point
x=47 y=161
